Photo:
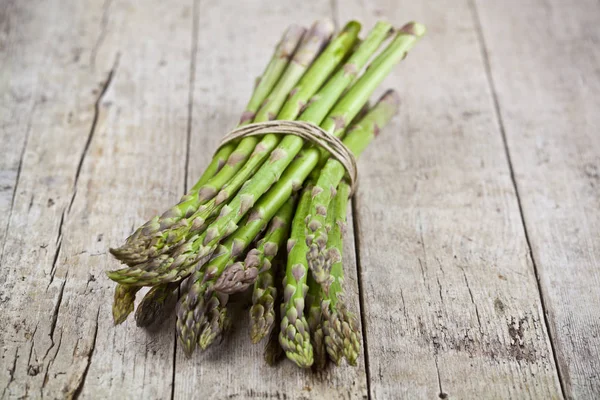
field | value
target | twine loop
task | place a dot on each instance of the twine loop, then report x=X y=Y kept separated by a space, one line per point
x=307 y=131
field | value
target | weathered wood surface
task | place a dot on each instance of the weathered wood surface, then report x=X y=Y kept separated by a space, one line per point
x=451 y=301
x=104 y=104
x=549 y=97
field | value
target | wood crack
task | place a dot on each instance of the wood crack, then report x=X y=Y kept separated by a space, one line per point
x=423 y=274
x=361 y=291
x=472 y=300
x=11 y=372
x=440 y=290
x=404 y=310
x=441 y=394
x=32 y=350
x=50 y=362
x=92 y=130
x=194 y=53
x=422 y=240
x=79 y=388
x=54 y=262
x=17 y=179
x=54 y=320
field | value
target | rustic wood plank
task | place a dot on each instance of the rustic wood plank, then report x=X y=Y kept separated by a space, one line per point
x=548 y=93
x=107 y=150
x=451 y=306
x=224 y=76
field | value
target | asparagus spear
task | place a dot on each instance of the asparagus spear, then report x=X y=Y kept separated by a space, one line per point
x=264 y=308
x=200 y=246
x=197 y=298
x=216 y=320
x=315 y=323
x=239 y=276
x=340 y=326
x=152 y=305
x=123 y=303
x=273 y=351
x=200 y=305
x=189 y=203
x=295 y=334
x=332 y=173
x=308 y=85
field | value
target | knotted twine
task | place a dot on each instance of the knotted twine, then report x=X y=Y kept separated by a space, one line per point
x=307 y=131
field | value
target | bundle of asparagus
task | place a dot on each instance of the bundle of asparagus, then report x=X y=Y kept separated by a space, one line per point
x=281 y=196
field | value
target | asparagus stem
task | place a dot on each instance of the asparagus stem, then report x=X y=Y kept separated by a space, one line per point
x=340 y=326
x=151 y=308
x=196 y=303
x=216 y=319
x=315 y=323
x=295 y=334
x=201 y=307
x=187 y=326
x=357 y=139
x=240 y=275
x=265 y=300
x=200 y=246
x=191 y=201
x=123 y=303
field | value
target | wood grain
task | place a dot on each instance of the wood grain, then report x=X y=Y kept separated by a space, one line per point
x=548 y=94
x=106 y=151
x=451 y=305
x=223 y=81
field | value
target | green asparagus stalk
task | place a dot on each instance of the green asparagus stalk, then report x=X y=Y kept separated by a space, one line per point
x=200 y=246
x=123 y=303
x=311 y=81
x=340 y=326
x=263 y=312
x=196 y=303
x=151 y=308
x=188 y=327
x=239 y=276
x=295 y=334
x=216 y=320
x=315 y=323
x=332 y=173
x=189 y=203
x=201 y=307
x=273 y=351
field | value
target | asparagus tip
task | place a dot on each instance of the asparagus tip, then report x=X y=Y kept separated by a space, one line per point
x=414 y=28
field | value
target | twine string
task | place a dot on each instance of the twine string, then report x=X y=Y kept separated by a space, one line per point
x=307 y=131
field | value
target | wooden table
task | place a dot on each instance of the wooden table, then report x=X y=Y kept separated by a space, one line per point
x=475 y=253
